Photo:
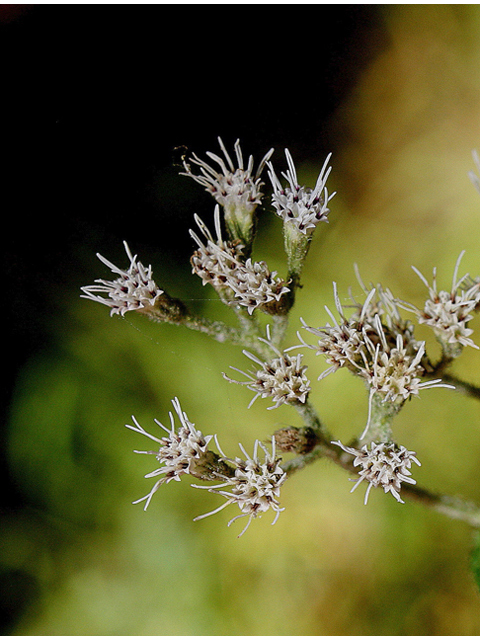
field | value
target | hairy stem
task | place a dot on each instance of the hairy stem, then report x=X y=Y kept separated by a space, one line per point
x=246 y=336
x=311 y=419
x=461 y=386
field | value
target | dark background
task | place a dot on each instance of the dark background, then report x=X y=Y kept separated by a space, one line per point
x=97 y=98
x=94 y=101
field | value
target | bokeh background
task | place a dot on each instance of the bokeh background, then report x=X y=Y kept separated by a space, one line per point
x=95 y=100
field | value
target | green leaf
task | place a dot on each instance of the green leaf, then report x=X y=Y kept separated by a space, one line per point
x=475 y=559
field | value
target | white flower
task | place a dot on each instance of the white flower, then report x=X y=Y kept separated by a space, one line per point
x=282 y=379
x=395 y=371
x=178 y=453
x=384 y=353
x=448 y=313
x=214 y=260
x=255 y=286
x=301 y=206
x=384 y=465
x=255 y=487
x=220 y=263
x=233 y=188
x=133 y=290
x=341 y=343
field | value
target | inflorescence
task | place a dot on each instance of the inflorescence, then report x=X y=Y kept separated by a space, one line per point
x=372 y=340
x=282 y=378
x=384 y=465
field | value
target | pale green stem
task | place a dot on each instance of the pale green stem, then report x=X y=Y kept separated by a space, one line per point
x=216 y=329
x=380 y=418
x=439 y=370
x=278 y=329
x=311 y=419
x=297 y=245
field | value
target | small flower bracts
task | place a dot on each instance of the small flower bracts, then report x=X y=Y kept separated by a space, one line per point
x=383 y=465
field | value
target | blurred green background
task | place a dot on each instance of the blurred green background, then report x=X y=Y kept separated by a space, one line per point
x=98 y=101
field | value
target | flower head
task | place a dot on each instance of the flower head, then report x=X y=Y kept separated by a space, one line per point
x=214 y=259
x=297 y=205
x=236 y=189
x=133 y=290
x=282 y=379
x=255 y=486
x=376 y=344
x=343 y=341
x=255 y=286
x=250 y=284
x=230 y=186
x=448 y=313
x=395 y=371
x=384 y=465
x=180 y=452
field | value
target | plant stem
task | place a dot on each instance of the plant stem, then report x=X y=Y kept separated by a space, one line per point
x=312 y=420
x=279 y=328
x=454 y=507
x=466 y=388
x=380 y=419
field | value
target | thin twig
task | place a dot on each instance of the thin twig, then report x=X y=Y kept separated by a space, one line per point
x=461 y=386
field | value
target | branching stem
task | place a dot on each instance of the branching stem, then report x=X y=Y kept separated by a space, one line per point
x=454 y=507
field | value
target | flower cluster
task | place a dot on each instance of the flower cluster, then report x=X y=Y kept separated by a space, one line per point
x=448 y=312
x=179 y=453
x=282 y=379
x=249 y=284
x=254 y=487
x=298 y=205
x=384 y=465
x=372 y=340
x=233 y=188
x=133 y=290
x=375 y=344
x=253 y=484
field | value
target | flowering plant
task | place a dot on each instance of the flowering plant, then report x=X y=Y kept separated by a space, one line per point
x=370 y=338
